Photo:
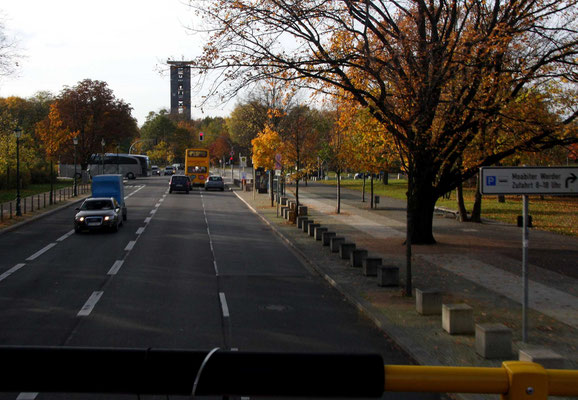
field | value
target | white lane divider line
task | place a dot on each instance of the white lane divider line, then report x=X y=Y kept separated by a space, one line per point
x=130 y=245
x=115 y=267
x=157 y=205
x=147 y=220
x=153 y=211
x=65 y=236
x=11 y=271
x=140 y=230
x=90 y=303
x=161 y=200
x=141 y=187
x=40 y=252
x=27 y=396
x=224 y=305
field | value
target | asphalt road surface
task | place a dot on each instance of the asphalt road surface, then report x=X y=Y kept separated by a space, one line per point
x=194 y=271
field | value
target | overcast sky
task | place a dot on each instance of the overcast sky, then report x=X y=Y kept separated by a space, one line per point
x=121 y=42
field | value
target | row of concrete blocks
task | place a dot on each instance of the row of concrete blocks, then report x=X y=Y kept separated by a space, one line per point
x=493 y=340
x=387 y=275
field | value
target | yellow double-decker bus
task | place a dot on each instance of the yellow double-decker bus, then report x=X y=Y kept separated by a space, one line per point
x=197 y=165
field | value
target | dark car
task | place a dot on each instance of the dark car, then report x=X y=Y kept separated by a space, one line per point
x=180 y=183
x=155 y=170
x=214 y=182
x=98 y=213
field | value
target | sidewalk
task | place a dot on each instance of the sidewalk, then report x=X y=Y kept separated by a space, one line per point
x=476 y=264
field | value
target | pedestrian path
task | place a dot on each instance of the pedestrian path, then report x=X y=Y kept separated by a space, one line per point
x=545 y=299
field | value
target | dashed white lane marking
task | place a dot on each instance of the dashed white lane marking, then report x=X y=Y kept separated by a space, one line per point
x=224 y=304
x=65 y=236
x=27 y=396
x=90 y=303
x=40 y=252
x=11 y=271
x=161 y=200
x=140 y=230
x=147 y=220
x=130 y=245
x=157 y=205
x=115 y=267
x=153 y=211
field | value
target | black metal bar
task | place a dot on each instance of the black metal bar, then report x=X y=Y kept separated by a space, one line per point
x=172 y=372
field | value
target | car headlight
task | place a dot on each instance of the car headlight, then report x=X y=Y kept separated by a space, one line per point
x=80 y=219
x=107 y=218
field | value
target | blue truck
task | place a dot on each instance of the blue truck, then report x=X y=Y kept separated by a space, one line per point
x=110 y=185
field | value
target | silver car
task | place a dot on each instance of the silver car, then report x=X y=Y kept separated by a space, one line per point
x=215 y=182
x=98 y=213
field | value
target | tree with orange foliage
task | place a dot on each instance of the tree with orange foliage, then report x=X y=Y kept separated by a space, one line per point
x=91 y=112
x=433 y=73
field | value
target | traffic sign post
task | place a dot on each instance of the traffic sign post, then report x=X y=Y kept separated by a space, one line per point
x=525 y=181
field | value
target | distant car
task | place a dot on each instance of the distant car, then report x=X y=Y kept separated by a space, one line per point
x=359 y=175
x=180 y=183
x=215 y=182
x=169 y=170
x=98 y=213
x=155 y=170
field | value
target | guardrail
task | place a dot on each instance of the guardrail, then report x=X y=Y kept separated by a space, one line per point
x=234 y=373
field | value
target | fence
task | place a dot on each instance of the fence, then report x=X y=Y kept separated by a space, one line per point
x=38 y=201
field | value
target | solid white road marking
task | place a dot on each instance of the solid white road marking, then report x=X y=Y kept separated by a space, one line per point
x=224 y=304
x=140 y=230
x=11 y=271
x=130 y=245
x=26 y=396
x=115 y=267
x=65 y=236
x=90 y=303
x=40 y=252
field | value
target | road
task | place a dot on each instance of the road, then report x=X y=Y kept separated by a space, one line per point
x=193 y=271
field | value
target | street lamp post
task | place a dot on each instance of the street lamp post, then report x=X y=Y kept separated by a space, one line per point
x=75 y=141
x=102 y=143
x=18 y=134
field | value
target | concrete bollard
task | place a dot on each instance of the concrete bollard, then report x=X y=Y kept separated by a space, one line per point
x=457 y=319
x=300 y=220
x=306 y=224
x=387 y=275
x=543 y=356
x=356 y=257
x=370 y=265
x=283 y=201
x=345 y=250
x=283 y=210
x=326 y=238
x=291 y=216
x=311 y=229
x=302 y=210
x=428 y=302
x=335 y=242
x=292 y=205
x=493 y=341
x=318 y=232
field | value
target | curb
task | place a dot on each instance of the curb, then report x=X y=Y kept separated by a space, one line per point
x=39 y=216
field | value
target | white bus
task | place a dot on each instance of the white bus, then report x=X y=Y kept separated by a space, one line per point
x=124 y=164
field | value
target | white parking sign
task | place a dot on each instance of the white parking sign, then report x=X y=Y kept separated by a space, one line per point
x=529 y=180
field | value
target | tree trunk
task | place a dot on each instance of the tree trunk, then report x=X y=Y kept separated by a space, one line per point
x=462 y=212
x=420 y=204
x=363 y=190
x=372 y=206
x=338 y=192
x=296 y=196
x=385 y=178
x=477 y=208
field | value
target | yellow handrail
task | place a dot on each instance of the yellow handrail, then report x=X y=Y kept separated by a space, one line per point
x=514 y=380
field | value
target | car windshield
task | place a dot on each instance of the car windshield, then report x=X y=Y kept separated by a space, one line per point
x=180 y=179
x=215 y=178
x=97 y=205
